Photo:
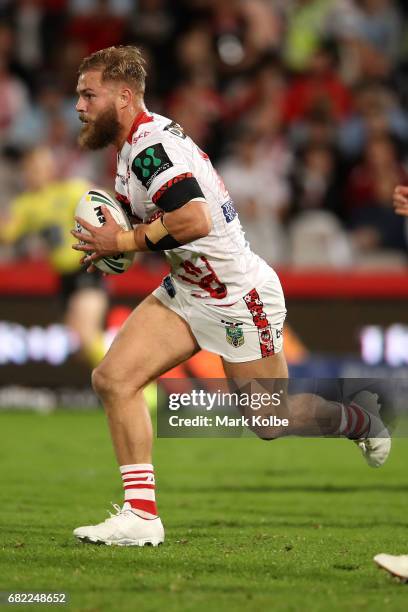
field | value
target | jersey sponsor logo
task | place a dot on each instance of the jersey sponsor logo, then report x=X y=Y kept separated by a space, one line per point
x=255 y=306
x=228 y=210
x=175 y=129
x=151 y=162
x=234 y=334
x=136 y=139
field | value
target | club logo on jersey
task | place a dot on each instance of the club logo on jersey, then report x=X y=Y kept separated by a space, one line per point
x=234 y=334
x=229 y=211
x=175 y=129
x=150 y=163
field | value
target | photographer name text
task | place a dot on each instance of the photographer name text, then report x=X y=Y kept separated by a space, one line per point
x=226 y=421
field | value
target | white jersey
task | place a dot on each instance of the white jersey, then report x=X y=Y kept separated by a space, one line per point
x=159 y=169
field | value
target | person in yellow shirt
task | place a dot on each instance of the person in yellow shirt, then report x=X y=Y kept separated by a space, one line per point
x=47 y=208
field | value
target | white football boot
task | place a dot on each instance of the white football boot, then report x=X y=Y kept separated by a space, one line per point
x=125 y=528
x=377 y=446
x=395 y=565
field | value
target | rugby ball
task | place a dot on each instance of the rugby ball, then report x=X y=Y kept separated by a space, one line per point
x=89 y=208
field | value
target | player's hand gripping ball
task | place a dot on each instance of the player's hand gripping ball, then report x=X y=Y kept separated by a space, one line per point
x=89 y=208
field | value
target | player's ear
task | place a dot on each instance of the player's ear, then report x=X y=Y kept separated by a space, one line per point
x=125 y=97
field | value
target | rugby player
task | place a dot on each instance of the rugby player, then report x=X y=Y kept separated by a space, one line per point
x=219 y=296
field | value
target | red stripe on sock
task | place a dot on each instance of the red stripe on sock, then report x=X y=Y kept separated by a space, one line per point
x=362 y=425
x=137 y=472
x=139 y=486
x=363 y=422
x=143 y=504
x=349 y=420
x=360 y=419
x=136 y=478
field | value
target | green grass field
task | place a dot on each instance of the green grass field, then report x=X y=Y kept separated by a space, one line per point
x=286 y=525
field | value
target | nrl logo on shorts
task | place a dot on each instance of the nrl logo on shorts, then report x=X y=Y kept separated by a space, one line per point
x=234 y=334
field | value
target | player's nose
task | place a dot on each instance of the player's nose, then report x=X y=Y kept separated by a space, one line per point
x=80 y=106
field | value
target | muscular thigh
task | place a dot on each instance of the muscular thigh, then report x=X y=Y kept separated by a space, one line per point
x=152 y=341
x=259 y=377
x=273 y=371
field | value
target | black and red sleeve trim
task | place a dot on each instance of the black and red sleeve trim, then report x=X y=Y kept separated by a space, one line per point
x=177 y=192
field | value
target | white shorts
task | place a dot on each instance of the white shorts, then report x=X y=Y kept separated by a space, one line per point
x=250 y=329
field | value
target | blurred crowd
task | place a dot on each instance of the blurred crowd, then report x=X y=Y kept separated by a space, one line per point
x=301 y=104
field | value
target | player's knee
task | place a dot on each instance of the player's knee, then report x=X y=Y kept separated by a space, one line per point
x=110 y=383
x=101 y=381
x=105 y=383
